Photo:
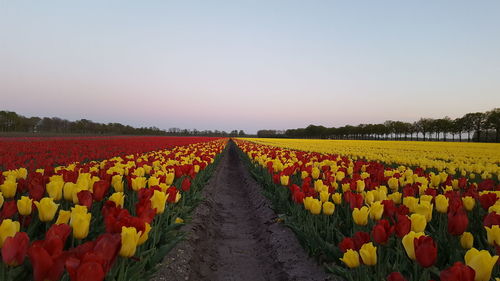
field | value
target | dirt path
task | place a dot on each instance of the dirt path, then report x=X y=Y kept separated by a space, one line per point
x=234 y=236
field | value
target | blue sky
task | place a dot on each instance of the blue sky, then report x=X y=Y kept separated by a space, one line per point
x=249 y=64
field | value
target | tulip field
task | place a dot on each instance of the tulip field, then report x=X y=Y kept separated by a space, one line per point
x=95 y=208
x=375 y=210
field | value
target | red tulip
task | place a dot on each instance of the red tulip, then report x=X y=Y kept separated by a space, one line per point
x=360 y=238
x=491 y=219
x=85 y=198
x=487 y=200
x=186 y=184
x=58 y=231
x=346 y=244
x=15 y=248
x=457 y=222
x=396 y=276
x=298 y=197
x=403 y=226
x=100 y=189
x=382 y=231
x=46 y=266
x=458 y=272
x=425 y=251
x=9 y=209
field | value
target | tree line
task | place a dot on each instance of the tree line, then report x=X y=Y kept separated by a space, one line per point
x=13 y=122
x=478 y=126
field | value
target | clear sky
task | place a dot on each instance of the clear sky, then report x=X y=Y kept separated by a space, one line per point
x=249 y=64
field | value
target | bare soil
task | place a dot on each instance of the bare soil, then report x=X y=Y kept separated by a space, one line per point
x=235 y=235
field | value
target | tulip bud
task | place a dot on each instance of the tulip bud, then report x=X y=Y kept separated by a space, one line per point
x=328 y=208
x=9 y=188
x=368 y=254
x=8 y=228
x=469 y=202
x=80 y=222
x=376 y=210
x=55 y=189
x=360 y=216
x=441 y=203
x=418 y=222
x=24 y=205
x=130 y=238
x=46 y=209
x=351 y=258
x=158 y=201
x=315 y=207
x=493 y=234
x=467 y=240
x=337 y=198
x=118 y=198
x=63 y=217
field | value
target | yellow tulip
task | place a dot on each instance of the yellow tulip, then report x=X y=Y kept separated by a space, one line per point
x=284 y=180
x=315 y=207
x=315 y=173
x=118 y=198
x=153 y=181
x=351 y=258
x=442 y=203
x=376 y=210
x=307 y=202
x=55 y=189
x=426 y=198
x=158 y=201
x=393 y=183
x=482 y=263
x=130 y=238
x=169 y=178
x=179 y=220
x=425 y=208
x=144 y=236
x=46 y=209
x=360 y=185
x=418 y=222
x=8 y=228
x=80 y=222
x=323 y=196
x=360 y=216
x=304 y=174
x=68 y=190
x=328 y=208
x=395 y=197
x=369 y=197
x=63 y=217
x=346 y=187
x=408 y=240
x=339 y=176
x=411 y=203
x=9 y=188
x=138 y=183
x=493 y=233
x=117 y=183
x=337 y=198
x=368 y=254
x=467 y=240
x=469 y=202
x=24 y=205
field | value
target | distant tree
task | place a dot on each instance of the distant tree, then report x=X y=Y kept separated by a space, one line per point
x=493 y=120
x=424 y=126
x=241 y=133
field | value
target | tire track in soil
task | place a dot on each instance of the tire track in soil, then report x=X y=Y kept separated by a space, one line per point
x=234 y=235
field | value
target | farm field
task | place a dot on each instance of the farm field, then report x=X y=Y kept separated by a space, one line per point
x=113 y=218
x=166 y=208
x=392 y=210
